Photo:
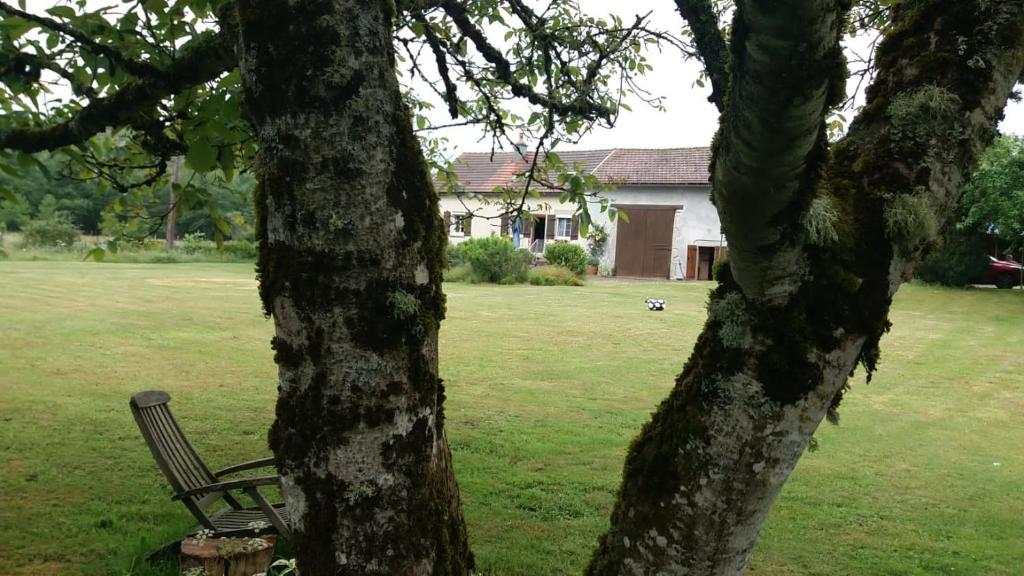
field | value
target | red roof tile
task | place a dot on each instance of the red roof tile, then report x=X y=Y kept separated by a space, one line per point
x=479 y=172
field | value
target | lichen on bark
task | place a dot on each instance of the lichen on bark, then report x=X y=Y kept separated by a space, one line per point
x=700 y=478
x=351 y=249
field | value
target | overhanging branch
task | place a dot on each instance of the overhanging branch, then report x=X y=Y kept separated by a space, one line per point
x=135 y=67
x=711 y=47
x=503 y=69
x=204 y=61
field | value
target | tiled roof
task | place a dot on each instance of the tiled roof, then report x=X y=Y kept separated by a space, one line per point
x=479 y=172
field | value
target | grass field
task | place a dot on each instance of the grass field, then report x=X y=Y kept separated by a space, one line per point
x=546 y=386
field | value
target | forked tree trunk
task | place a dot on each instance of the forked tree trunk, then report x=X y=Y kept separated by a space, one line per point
x=814 y=263
x=352 y=246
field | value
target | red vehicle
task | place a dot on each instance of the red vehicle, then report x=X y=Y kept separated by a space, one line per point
x=1002 y=273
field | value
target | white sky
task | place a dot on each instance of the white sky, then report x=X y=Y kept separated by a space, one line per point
x=689 y=119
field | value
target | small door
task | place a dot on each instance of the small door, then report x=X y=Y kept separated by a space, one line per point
x=706 y=256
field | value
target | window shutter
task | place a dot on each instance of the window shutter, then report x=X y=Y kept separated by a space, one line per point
x=549 y=226
x=467 y=223
x=527 y=226
x=574 y=230
x=504 y=225
x=447 y=221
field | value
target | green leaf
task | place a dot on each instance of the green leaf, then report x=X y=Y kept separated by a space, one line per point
x=62 y=12
x=201 y=156
x=16 y=27
x=10 y=170
x=227 y=162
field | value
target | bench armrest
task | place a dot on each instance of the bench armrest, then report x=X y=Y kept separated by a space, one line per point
x=261 y=463
x=229 y=485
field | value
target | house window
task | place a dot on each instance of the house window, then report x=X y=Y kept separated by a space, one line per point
x=563 y=227
x=458 y=224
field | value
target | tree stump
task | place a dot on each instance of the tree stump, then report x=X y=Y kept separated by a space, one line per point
x=226 y=556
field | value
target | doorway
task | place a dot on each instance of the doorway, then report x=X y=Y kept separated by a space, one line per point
x=539 y=227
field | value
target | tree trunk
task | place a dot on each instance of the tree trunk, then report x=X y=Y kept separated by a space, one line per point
x=814 y=264
x=172 y=212
x=351 y=250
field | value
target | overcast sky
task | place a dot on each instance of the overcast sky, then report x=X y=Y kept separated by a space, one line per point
x=690 y=120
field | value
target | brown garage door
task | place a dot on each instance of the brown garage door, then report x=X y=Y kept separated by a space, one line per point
x=643 y=246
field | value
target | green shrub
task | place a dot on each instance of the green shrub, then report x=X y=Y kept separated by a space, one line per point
x=163 y=258
x=716 y=268
x=457 y=274
x=554 y=276
x=57 y=231
x=494 y=259
x=240 y=249
x=455 y=255
x=960 y=261
x=567 y=255
x=194 y=242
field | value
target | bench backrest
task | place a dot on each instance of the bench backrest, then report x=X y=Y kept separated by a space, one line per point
x=184 y=469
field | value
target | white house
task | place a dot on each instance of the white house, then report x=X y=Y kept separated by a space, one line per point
x=673 y=229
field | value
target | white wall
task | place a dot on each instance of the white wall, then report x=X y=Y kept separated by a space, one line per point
x=486 y=221
x=697 y=223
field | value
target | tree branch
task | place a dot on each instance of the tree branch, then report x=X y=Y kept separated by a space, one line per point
x=711 y=47
x=503 y=70
x=787 y=72
x=205 y=60
x=135 y=67
x=450 y=92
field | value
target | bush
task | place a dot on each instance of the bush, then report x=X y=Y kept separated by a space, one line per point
x=960 y=261
x=554 y=276
x=457 y=274
x=455 y=255
x=194 y=242
x=240 y=249
x=568 y=256
x=494 y=259
x=57 y=231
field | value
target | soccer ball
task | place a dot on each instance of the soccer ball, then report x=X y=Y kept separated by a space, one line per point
x=655 y=305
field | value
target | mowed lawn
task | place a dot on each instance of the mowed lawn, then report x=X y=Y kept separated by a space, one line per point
x=546 y=386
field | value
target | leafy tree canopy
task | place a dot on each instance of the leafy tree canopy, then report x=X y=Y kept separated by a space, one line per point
x=993 y=201
x=120 y=89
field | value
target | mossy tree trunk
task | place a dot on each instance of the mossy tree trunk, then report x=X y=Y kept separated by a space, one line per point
x=819 y=244
x=352 y=247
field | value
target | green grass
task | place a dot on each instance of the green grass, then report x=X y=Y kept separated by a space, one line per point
x=546 y=386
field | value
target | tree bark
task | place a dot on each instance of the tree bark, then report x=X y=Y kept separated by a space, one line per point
x=808 y=297
x=351 y=250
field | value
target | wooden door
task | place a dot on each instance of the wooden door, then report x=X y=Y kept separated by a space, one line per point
x=658 y=243
x=629 y=244
x=643 y=246
x=691 y=262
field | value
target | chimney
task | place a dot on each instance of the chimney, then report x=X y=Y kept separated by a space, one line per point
x=521 y=145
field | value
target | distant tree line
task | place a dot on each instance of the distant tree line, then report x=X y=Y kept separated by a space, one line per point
x=48 y=194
